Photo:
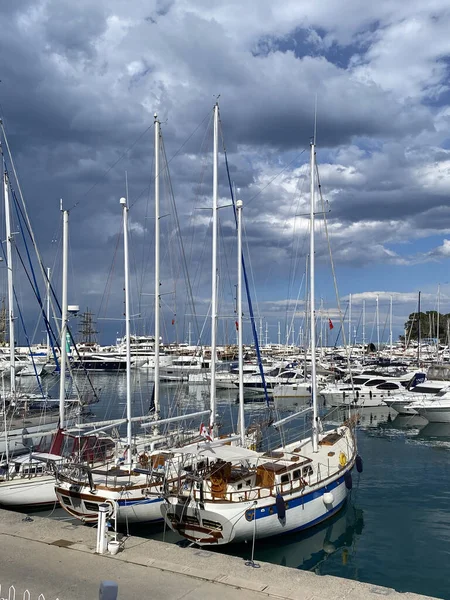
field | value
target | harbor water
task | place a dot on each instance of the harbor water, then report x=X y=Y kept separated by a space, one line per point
x=394 y=530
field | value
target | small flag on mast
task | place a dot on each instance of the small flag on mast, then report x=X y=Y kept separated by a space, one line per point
x=330 y=324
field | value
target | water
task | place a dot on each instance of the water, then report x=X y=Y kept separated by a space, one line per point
x=395 y=529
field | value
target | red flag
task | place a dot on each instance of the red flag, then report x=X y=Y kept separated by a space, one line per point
x=330 y=324
x=173 y=321
x=237 y=325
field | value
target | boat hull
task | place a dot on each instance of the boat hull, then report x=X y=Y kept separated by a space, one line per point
x=132 y=506
x=227 y=522
x=28 y=493
x=435 y=414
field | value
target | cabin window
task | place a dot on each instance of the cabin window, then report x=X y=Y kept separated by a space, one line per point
x=248 y=482
x=91 y=506
x=239 y=487
x=308 y=470
x=388 y=386
x=285 y=478
x=67 y=500
x=296 y=474
x=373 y=382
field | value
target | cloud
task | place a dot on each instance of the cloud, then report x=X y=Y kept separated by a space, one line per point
x=80 y=84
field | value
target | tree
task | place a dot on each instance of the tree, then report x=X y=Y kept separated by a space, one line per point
x=428 y=326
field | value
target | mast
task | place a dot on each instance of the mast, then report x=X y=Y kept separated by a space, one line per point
x=279 y=334
x=157 y=266
x=378 y=326
x=364 y=330
x=239 y=205
x=48 y=312
x=437 y=319
x=212 y=421
x=418 y=332
x=123 y=202
x=390 y=327
x=12 y=358
x=63 y=357
x=315 y=432
x=349 y=321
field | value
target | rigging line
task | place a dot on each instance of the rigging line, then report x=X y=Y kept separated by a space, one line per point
x=297 y=251
x=28 y=223
x=277 y=175
x=174 y=156
x=197 y=195
x=183 y=254
x=33 y=283
x=338 y=301
x=145 y=252
x=107 y=289
x=116 y=162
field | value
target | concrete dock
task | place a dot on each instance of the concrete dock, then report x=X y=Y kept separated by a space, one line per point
x=57 y=559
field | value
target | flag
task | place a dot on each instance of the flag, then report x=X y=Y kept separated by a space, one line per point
x=237 y=325
x=173 y=321
x=204 y=432
x=330 y=324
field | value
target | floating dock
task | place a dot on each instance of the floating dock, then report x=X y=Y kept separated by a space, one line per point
x=57 y=559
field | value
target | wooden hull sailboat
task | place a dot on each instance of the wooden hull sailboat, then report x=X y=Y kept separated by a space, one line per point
x=240 y=495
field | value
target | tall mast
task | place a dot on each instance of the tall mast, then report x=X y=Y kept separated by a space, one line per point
x=123 y=202
x=239 y=205
x=390 y=327
x=418 y=333
x=437 y=318
x=12 y=358
x=364 y=330
x=378 y=325
x=214 y=268
x=315 y=432
x=48 y=312
x=349 y=342
x=157 y=277
x=63 y=358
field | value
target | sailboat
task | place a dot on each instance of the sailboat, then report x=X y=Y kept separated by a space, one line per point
x=28 y=480
x=131 y=485
x=226 y=494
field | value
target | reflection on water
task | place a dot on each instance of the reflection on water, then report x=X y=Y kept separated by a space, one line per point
x=435 y=430
x=415 y=422
x=403 y=539
x=309 y=549
x=367 y=417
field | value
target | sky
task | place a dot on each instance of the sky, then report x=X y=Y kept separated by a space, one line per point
x=80 y=83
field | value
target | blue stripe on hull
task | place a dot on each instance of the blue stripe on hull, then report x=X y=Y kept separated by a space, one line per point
x=298 y=501
x=324 y=517
x=139 y=502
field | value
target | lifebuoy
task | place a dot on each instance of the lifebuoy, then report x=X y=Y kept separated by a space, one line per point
x=342 y=459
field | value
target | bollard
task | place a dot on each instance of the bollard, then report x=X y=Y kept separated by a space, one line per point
x=102 y=540
x=108 y=590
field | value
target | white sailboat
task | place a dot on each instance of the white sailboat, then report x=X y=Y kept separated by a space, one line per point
x=132 y=487
x=28 y=481
x=230 y=494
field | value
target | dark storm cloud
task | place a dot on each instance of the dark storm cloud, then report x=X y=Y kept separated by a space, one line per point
x=80 y=83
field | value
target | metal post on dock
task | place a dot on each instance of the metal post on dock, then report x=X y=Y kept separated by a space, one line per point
x=102 y=540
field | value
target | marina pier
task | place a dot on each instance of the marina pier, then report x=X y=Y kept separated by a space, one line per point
x=58 y=560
